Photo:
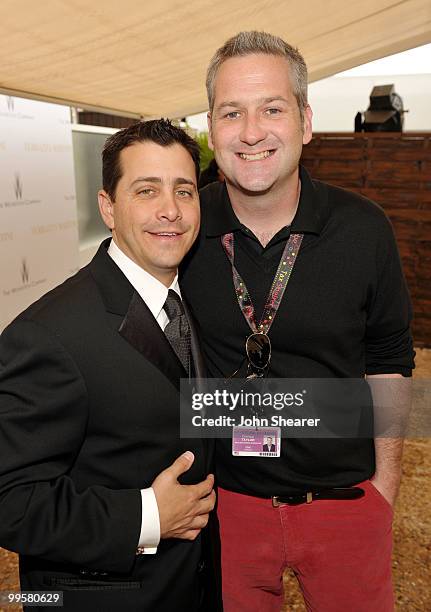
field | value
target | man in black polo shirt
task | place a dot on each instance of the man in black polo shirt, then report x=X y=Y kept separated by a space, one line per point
x=345 y=313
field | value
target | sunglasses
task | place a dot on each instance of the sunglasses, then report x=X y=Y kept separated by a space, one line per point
x=258 y=349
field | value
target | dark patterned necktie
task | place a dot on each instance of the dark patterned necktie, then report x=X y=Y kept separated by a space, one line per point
x=177 y=331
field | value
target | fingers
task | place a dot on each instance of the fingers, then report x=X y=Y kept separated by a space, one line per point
x=181 y=464
x=197 y=517
x=206 y=505
x=204 y=488
x=203 y=521
x=183 y=509
x=193 y=529
x=191 y=534
x=200 y=522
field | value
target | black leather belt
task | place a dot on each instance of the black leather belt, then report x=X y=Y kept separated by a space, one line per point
x=310 y=496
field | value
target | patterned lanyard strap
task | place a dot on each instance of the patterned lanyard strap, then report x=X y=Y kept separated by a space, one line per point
x=278 y=286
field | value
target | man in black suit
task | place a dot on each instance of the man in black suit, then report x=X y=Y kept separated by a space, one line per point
x=269 y=447
x=93 y=474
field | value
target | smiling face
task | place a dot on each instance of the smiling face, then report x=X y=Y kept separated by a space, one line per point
x=255 y=127
x=155 y=215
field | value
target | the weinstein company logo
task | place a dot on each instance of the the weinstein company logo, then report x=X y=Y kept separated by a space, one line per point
x=10 y=104
x=25 y=276
x=27 y=284
x=17 y=186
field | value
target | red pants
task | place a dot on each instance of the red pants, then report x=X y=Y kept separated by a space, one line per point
x=339 y=550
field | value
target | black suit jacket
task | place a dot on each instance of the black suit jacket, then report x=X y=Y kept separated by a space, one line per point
x=269 y=449
x=89 y=412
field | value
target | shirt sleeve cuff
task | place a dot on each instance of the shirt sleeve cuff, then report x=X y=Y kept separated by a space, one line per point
x=150 y=525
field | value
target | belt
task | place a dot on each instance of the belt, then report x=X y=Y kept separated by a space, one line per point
x=310 y=496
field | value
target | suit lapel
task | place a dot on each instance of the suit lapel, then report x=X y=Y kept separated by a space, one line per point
x=138 y=327
x=142 y=331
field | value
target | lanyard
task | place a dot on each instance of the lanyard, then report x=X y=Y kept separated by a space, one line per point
x=278 y=286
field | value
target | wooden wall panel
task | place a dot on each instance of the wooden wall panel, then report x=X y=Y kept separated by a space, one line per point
x=393 y=170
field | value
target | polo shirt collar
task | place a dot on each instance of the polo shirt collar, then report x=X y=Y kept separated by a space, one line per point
x=222 y=219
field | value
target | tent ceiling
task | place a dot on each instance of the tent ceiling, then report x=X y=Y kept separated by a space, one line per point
x=149 y=58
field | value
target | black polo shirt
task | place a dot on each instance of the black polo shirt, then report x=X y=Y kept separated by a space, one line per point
x=345 y=313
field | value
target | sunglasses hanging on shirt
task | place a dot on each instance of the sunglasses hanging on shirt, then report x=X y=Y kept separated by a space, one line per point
x=258 y=344
x=258 y=350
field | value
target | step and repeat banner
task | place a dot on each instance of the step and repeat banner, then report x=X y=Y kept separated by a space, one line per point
x=38 y=220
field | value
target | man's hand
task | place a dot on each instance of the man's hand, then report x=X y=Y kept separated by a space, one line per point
x=388 y=490
x=392 y=402
x=388 y=467
x=183 y=509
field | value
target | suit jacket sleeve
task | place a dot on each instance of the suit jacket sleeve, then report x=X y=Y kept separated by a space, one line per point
x=43 y=418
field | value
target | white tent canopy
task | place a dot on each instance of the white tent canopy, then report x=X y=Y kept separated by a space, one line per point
x=149 y=58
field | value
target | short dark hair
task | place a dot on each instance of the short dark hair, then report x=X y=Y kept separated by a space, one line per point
x=159 y=131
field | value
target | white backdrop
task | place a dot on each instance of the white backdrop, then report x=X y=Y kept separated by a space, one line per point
x=38 y=223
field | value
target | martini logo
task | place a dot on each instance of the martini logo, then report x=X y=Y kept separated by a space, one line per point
x=25 y=276
x=10 y=104
x=17 y=186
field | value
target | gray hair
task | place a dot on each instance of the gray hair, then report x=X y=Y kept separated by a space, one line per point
x=248 y=43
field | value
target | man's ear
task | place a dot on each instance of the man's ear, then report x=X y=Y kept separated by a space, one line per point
x=210 y=137
x=308 y=129
x=106 y=209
